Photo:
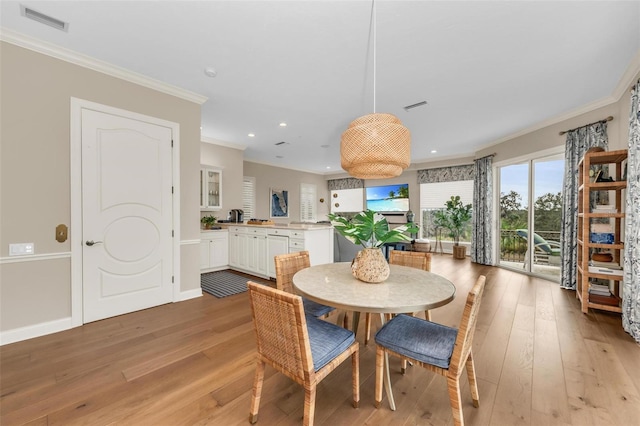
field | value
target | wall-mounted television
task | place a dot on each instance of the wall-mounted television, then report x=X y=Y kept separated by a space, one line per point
x=388 y=198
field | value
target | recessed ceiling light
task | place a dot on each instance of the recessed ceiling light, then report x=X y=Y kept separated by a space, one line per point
x=210 y=72
x=433 y=151
x=283 y=124
x=279 y=156
x=328 y=167
x=251 y=135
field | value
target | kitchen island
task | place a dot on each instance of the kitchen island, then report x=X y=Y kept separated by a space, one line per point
x=251 y=248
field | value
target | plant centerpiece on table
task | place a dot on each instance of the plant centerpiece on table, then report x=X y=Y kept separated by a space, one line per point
x=455 y=218
x=370 y=230
x=208 y=221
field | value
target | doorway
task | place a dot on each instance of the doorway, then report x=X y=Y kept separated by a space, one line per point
x=530 y=215
x=123 y=228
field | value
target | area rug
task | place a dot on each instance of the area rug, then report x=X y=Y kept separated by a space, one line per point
x=223 y=283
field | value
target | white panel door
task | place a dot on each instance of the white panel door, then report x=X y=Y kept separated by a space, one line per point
x=127 y=215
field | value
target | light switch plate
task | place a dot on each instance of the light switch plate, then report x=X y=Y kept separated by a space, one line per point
x=21 y=249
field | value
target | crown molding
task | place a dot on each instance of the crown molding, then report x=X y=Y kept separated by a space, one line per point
x=628 y=78
x=213 y=141
x=85 y=61
x=626 y=81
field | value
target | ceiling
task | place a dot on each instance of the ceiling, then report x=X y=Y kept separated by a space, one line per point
x=487 y=70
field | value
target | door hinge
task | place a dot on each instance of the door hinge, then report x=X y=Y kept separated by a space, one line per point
x=171 y=143
x=172 y=189
x=172 y=279
x=172 y=234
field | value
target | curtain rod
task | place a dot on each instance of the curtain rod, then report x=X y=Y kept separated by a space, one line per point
x=485 y=156
x=609 y=118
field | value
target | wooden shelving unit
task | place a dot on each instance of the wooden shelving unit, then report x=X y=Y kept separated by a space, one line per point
x=585 y=215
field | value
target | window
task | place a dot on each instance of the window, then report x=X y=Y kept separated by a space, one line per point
x=530 y=203
x=249 y=196
x=433 y=197
x=308 y=202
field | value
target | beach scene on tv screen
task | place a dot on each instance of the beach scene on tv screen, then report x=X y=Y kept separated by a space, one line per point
x=388 y=198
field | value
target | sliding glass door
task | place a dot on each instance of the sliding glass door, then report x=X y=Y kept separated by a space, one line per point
x=530 y=215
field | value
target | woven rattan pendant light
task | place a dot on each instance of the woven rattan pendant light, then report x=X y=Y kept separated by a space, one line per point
x=375 y=146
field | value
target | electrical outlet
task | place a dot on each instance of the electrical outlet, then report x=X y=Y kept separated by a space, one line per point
x=21 y=249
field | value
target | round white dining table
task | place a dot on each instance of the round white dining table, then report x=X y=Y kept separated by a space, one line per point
x=406 y=290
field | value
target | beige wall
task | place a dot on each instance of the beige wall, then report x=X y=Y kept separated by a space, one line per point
x=276 y=177
x=35 y=174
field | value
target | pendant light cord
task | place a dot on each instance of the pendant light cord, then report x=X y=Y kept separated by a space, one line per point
x=375 y=19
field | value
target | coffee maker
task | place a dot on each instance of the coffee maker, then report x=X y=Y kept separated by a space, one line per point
x=236 y=215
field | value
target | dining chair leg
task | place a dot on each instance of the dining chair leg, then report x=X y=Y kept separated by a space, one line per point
x=309 y=405
x=355 y=322
x=257 y=392
x=473 y=384
x=367 y=333
x=453 y=384
x=379 y=373
x=427 y=315
x=355 y=373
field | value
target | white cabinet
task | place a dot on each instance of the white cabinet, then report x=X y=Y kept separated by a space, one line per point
x=277 y=243
x=210 y=188
x=252 y=249
x=248 y=249
x=347 y=200
x=237 y=247
x=214 y=250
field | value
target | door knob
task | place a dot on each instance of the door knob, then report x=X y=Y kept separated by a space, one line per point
x=91 y=242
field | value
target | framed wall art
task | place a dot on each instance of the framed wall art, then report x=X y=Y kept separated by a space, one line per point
x=279 y=199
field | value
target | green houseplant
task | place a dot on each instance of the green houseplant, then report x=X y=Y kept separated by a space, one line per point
x=455 y=217
x=208 y=221
x=370 y=230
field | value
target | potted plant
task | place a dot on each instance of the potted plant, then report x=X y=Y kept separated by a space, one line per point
x=208 y=221
x=370 y=230
x=455 y=218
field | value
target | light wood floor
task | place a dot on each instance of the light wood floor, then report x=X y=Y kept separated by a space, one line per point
x=539 y=361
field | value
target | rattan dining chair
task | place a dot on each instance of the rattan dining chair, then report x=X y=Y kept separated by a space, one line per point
x=438 y=348
x=286 y=267
x=413 y=259
x=301 y=347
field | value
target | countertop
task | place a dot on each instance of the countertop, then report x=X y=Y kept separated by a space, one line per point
x=295 y=226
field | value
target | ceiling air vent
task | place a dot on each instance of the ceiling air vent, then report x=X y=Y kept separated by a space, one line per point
x=43 y=19
x=419 y=104
x=281 y=143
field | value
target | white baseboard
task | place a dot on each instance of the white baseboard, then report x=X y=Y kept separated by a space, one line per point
x=50 y=327
x=32 y=331
x=190 y=294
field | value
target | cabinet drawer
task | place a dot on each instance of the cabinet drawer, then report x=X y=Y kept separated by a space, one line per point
x=296 y=245
x=281 y=232
x=297 y=234
x=238 y=229
x=256 y=231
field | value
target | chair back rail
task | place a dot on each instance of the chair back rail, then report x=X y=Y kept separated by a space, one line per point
x=286 y=267
x=413 y=259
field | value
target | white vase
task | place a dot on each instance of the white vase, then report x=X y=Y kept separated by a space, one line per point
x=370 y=266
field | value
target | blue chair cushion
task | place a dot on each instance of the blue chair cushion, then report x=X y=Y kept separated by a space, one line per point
x=315 y=309
x=421 y=340
x=327 y=341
